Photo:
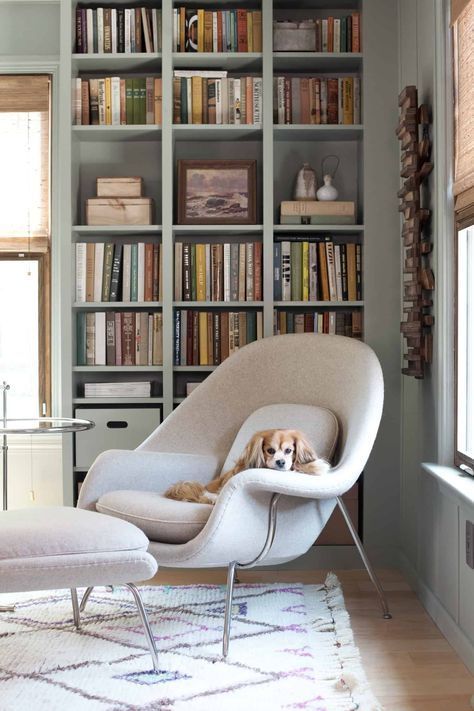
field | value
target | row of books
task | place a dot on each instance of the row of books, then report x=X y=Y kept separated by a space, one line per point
x=338 y=34
x=316 y=100
x=218 y=272
x=108 y=271
x=208 y=338
x=121 y=389
x=114 y=101
x=317 y=271
x=119 y=338
x=339 y=323
x=210 y=97
x=124 y=30
x=199 y=30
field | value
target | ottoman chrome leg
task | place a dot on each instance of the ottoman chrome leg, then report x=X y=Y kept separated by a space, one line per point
x=146 y=625
x=85 y=598
x=7 y=608
x=75 y=609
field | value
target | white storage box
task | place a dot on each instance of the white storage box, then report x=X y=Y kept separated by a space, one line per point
x=115 y=428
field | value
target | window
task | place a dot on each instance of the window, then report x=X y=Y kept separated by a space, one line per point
x=463 y=44
x=25 y=242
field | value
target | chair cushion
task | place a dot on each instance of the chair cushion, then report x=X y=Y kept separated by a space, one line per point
x=319 y=424
x=170 y=521
x=160 y=518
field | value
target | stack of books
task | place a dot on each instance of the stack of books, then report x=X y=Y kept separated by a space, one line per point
x=114 y=101
x=199 y=30
x=317 y=212
x=119 y=338
x=316 y=100
x=117 y=30
x=218 y=272
x=118 y=272
x=318 y=270
x=135 y=389
x=209 y=337
x=339 y=323
x=210 y=97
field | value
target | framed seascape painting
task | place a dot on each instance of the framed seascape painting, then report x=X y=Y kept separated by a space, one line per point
x=217 y=192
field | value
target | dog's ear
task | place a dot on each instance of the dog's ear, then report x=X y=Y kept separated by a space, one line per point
x=252 y=456
x=304 y=452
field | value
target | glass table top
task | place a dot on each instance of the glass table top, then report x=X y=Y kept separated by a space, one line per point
x=43 y=425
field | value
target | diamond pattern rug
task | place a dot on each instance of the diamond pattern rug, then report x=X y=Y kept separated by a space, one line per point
x=291 y=648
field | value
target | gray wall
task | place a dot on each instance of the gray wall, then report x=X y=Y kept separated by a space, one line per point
x=29 y=28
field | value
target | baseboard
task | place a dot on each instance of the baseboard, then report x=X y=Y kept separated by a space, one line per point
x=442 y=619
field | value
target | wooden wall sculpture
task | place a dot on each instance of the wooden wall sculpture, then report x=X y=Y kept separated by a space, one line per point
x=418 y=279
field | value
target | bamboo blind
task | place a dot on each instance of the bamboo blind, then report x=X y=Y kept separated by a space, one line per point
x=463 y=30
x=25 y=168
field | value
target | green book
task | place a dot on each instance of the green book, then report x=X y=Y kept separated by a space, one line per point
x=141 y=101
x=290 y=322
x=107 y=270
x=296 y=271
x=332 y=220
x=81 y=353
x=129 y=101
x=251 y=326
x=184 y=100
x=136 y=101
x=134 y=273
x=343 y=34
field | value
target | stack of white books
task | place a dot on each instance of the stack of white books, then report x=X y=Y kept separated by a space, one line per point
x=120 y=389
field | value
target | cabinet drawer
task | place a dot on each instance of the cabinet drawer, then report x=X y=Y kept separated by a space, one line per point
x=115 y=428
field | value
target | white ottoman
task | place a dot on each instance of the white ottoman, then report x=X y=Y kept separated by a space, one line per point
x=60 y=547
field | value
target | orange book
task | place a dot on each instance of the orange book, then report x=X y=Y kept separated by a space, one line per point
x=351 y=272
x=85 y=103
x=330 y=34
x=249 y=100
x=158 y=100
x=304 y=99
x=220 y=47
x=257 y=30
x=242 y=44
x=356 y=43
x=257 y=271
x=182 y=29
x=200 y=23
x=207 y=31
x=323 y=266
x=224 y=329
x=196 y=87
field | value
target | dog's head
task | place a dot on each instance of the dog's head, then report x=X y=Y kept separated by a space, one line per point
x=278 y=449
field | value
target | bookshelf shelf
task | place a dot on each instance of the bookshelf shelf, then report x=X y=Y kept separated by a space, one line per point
x=117 y=400
x=116 y=62
x=206 y=132
x=232 y=61
x=117 y=133
x=318 y=304
x=317 y=62
x=114 y=305
x=340 y=229
x=217 y=229
x=192 y=368
x=110 y=230
x=116 y=368
x=319 y=132
x=218 y=304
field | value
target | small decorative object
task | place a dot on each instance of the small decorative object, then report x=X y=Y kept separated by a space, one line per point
x=305 y=186
x=418 y=281
x=217 y=192
x=328 y=191
x=294 y=36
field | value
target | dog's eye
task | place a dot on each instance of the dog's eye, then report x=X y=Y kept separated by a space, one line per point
x=270 y=450
x=287 y=450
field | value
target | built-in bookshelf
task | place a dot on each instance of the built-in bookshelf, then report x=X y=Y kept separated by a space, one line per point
x=202 y=319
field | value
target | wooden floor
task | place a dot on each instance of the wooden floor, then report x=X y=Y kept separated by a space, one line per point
x=410 y=665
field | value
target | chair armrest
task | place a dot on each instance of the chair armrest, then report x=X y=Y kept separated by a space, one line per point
x=143 y=471
x=325 y=486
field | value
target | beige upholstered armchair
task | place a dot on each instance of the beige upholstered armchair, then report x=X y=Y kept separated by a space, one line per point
x=330 y=387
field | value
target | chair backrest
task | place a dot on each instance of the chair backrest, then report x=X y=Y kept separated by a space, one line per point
x=338 y=373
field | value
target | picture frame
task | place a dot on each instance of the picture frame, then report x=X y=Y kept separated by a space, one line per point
x=221 y=192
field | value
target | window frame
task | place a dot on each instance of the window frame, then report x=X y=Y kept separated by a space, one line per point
x=17 y=249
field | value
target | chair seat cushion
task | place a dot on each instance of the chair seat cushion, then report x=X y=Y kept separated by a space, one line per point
x=161 y=519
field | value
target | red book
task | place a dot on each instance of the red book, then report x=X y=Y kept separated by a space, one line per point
x=308 y=323
x=355 y=31
x=242 y=45
x=333 y=108
x=189 y=338
x=288 y=100
x=304 y=98
x=156 y=272
x=330 y=34
x=148 y=289
x=224 y=335
x=220 y=47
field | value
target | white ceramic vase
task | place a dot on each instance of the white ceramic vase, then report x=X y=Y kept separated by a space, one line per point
x=327 y=191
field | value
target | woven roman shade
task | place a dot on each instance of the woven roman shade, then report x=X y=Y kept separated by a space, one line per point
x=463 y=36
x=25 y=167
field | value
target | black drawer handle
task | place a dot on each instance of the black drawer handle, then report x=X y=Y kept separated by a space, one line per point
x=117 y=424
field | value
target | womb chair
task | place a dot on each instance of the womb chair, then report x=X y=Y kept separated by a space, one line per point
x=331 y=387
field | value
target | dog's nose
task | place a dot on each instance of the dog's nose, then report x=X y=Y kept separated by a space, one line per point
x=280 y=463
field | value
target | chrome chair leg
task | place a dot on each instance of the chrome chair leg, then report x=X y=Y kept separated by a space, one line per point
x=7 y=608
x=75 y=609
x=146 y=625
x=85 y=598
x=366 y=561
x=231 y=571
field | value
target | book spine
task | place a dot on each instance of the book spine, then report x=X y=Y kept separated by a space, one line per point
x=128 y=338
x=107 y=270
x=134 y=273
x=116 y=265
x=81 y=350
x=81 y=267
x=351 y=271
x=141 y=272
x=305 y=272
x=296 y=255
x=286 y=271
x=113 y=29
x=148 y=286
x=323 y=266
x=226 y=269
x=337 y=263
x=277 y=271
x=313 y=271
x=331 y=271
x=257 y=272
x=100 y=351
x=110 y=338
x=249 y=274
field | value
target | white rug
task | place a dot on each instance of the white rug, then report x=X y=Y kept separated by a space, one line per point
x=291 y=648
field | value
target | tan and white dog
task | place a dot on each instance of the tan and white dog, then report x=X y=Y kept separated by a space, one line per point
x=281 y=450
